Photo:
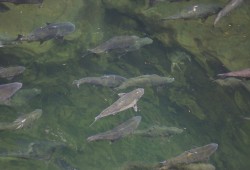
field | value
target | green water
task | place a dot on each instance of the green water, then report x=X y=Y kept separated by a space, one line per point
x=207 y=111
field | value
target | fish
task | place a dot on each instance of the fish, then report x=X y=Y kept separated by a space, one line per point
x=245 y=73
x=23 y=1
x=22 y=121
x=198 y=11
x=227 y=9
x=10 y=72
x=36 y=150
x=107 y=80
x=3 y=8
x=158 y=131
x=50 y=31
x=145 y=80
x=126 y=101
x=6 y=40
x=23 y=96
x=7 y=90
x=195 y=155
x=118 y=132
x=124 y=43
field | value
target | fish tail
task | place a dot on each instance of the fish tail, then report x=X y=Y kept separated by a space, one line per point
x=93 y=122
x=221 y=75
x=19 y=37
x=86 y=54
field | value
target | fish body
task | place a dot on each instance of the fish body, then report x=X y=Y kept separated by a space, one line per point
x=107 y=80
x=23 y=96
x=198 y=11
x=7 y=90
x=118 y=132
x=22 y=121
x=50 y=31
x=158 y=131
x=245 y=73
x=23 y=1
x=10 y=72
x=6 y=40
x=145 y=80
x=123 y=43
x=228 y=8
x=198 y=154
x=126 y=101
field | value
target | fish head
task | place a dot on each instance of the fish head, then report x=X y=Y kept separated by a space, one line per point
x=65 y=28
x=169 y=79
x=139 y=92
x=145 y=41
x=36 y=114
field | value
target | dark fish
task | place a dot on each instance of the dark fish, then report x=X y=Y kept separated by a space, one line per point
x=145 y=80
x=153 y=2
x=23 y=96
x=39 y=150
x=245 y=73
x=50 y=31
x=126 y=101
x=198 y=154
x=23 y=121
x=7 y=90
x=107 y=80
x=23 y=1
x=123 y=43
x=158 y=131
x=228 y=8
x=118 y=132
x=10 y=72
x=3 y=8
x=198 y=11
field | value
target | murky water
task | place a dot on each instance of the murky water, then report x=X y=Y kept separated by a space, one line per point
x=208 y=112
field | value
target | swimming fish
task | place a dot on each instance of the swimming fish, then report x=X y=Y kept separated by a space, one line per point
x=7 y=90
x=126 y=101
x=10 y=72
x=245 y=73
x=118 y=132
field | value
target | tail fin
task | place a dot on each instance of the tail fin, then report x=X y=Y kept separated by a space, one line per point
x=86 y=53
x=221 y=75
x=19 y=37
x=93 y=122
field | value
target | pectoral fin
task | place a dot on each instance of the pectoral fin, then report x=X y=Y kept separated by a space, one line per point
x=135 y=108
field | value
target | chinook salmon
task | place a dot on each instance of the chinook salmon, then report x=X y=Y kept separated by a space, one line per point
x=123 y=43
x=228 y=8
x=50 y=31
x=107 y=80
x=7 y=90
x=22 y=121
x=245 y=73
x=10 y=72
x=145 y=80
x=198 y=11
x=126 y=101
x=118 y=132
x=198 y=154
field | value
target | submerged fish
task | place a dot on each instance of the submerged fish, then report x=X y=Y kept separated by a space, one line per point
x=158 y=131
x=23 y=1
x=118 y=132
x=228 y=8
x=23 y=96
x=107 y=80
x=50 y=31
x=145 y=80
x=123 y=43
x=198 y=154
x=10 y=72
x=126 y=101
x=7 y=90
x=39 y=150
x=245 y=73
x=196 y=12
x=22 y=121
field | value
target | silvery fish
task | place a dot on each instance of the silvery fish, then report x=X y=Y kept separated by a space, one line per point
x=126 y=101
x=118 y=132
x=23 y=96
x=7 y=90
x=122 y=43
x=198 y=154
x=228 y=8
x=107 y=80
x=158 y=131
x=38 y=150
x=198 y=11
x=10 y=72
x=245 y=73
x=145 y=80
x=23 y=1
x=23 y=121
x=50 y=31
